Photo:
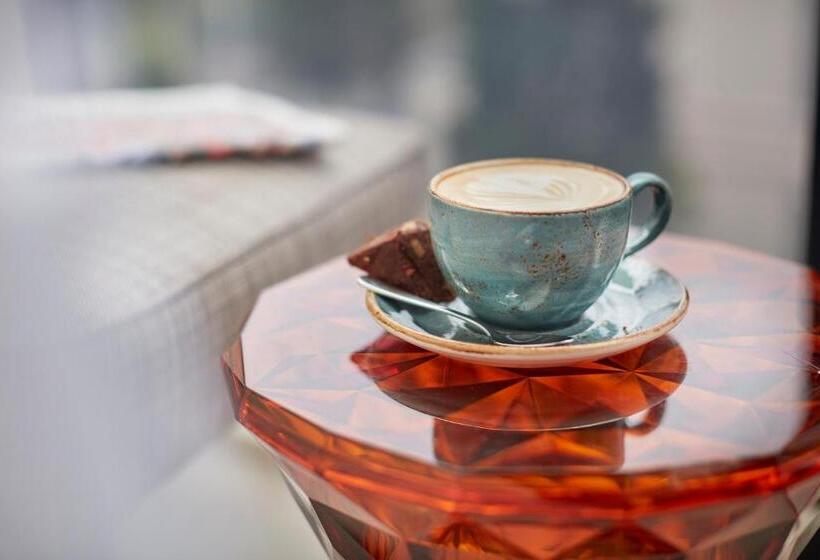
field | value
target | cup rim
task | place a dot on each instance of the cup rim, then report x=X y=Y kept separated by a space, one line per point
x=497 y=162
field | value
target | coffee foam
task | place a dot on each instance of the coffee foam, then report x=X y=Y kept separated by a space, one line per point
x=530 y=186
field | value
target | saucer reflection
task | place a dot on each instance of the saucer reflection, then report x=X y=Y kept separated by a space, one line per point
x=584 y=394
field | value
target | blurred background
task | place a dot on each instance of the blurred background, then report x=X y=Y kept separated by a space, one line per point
x=126 y=284
x=715 y=96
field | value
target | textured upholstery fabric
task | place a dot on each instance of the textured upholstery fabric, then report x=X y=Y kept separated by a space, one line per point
x=140 y=278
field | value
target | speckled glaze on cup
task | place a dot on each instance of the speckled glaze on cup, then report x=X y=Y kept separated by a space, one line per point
x=539 y=270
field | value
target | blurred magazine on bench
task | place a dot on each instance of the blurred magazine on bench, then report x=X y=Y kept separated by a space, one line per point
x=155 y=125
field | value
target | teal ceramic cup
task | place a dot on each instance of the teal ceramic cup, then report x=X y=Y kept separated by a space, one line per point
x=539 y=269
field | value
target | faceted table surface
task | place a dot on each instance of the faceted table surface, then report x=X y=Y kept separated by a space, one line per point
x=702 y=444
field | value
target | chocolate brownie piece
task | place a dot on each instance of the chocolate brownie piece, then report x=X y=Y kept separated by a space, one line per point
x=403 y=257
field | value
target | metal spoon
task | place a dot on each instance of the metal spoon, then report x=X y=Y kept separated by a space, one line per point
x=497 y=335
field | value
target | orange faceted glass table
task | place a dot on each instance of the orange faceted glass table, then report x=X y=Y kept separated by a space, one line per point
x=702 y=444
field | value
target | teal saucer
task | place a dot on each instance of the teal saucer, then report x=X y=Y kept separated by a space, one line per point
x=642 y=303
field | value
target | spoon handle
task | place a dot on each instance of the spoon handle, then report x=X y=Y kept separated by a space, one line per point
x=390 y=292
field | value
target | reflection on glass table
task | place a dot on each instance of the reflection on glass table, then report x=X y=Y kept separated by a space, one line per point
x=702 y=444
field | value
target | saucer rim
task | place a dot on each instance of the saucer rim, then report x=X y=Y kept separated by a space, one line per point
x=476 y=348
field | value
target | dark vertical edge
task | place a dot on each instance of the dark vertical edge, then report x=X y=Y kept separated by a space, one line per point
x=812 y=549
x=813 y=256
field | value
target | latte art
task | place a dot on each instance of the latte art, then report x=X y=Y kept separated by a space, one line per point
x=531 y=187
x=519 y=189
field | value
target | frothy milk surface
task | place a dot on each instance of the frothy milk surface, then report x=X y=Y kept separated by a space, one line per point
x=530 y=187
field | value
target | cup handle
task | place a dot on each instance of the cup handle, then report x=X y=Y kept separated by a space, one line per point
x=661 y=209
